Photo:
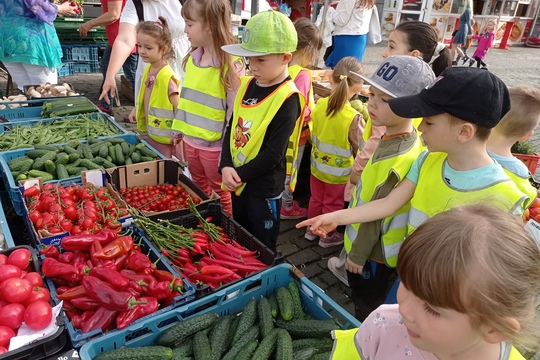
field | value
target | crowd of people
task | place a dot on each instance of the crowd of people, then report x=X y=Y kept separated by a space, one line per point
x=418 y=183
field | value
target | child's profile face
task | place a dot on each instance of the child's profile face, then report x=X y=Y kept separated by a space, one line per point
x=443 y=332
x=437 y=132
x=265 y=69
x=379 y=110
x=197 y=32
x=397 y=45
x=149 y=49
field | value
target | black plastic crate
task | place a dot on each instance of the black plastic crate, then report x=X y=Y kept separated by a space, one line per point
x=48 y=345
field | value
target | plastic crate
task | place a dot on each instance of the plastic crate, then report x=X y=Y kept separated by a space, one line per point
x=76 y=335
x=80 y=52
x=29 y=109
x=234 y=231
x=8 y=239
x=48 y=345
x=66 y=69
x=86 y=67
x=225 y=302
x=13 y=189
x=67 y=30
x=531 y=161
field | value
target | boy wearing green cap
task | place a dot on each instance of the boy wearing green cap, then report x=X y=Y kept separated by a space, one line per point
x=265 y=112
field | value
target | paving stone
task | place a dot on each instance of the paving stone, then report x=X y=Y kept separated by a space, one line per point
x=312 y=270
x=288 y=248
x=304 y=256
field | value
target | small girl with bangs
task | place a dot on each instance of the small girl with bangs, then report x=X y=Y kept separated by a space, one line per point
x=158 y=96
x=207 y=98
x=470 y=284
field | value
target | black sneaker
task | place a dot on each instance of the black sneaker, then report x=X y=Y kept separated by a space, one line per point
x=454 y=63
x=471 y=62
x=465 y=59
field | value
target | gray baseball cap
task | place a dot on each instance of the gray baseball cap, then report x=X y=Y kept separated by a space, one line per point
x=401 y=75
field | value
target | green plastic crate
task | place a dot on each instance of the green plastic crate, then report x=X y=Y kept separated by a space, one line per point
x=68 y=31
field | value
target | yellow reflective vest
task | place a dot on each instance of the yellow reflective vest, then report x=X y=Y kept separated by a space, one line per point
x=524 y=185
x=331 y=152
x=292 y=147
x=160 y=109
x=433 y=195
x=249 y=122
x=375 y=174
x=202 y=105
x=345 y=347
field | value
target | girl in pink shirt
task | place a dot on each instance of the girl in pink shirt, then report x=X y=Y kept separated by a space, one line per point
x=470 y=281
x=485 y=42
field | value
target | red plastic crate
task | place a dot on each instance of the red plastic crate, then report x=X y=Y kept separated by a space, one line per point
x=531 y=161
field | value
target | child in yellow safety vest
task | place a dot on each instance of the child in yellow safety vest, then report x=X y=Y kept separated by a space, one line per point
x=335 y=138
x=371 y=259
x=158 y=95
x=459 y=109
x=208 y=91
x=517 y=125
x=307 y=51
x=266 y=109
x=470 y=281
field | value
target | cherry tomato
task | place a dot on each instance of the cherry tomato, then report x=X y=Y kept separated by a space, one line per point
x=37 y=293
x=34 y=278
x=38 y=315
x=71 y=213
x=66 y=225
x=54 y=208
x=8 y=271
x=16 y=290
x=12 y=315
x=20 y=258
x=34 y=216
x=88 y=223
x=31 y=191
x=6 y=334
x=56 y=230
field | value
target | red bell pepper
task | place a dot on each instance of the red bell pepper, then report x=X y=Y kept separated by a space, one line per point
x=50 y=251
x=73 y=293
x=138 y=311
x=101 y=319
x=111 y=276
x=53 y=268
x=121 y=245
x=107 y=296
x=85 y=303
x=138 y=262
x=84 y=241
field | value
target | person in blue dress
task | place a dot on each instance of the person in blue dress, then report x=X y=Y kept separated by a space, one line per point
x=464 y=29
x=29 y=46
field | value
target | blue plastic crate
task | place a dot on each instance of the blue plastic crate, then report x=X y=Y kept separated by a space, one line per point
x=66 y=69
x=86 y=66
x=227 y=301
x=5 y=230
x=78 y=339
x=29 y=109
x=80 y=52
x=13 y=189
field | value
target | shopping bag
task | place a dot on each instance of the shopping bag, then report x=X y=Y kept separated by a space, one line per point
x=374 y=35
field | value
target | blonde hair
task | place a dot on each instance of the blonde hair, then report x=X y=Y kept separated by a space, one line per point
x=159 y=30
x=479 y=261
x=309 y=41
x=216 y=14
x=342 y=81
x=524 y=114
x=368 y=4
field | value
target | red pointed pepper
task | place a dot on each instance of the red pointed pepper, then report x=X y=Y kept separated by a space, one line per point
x=73 y=293
x=121 y=245
x=84 y=241
x=53 y=268
x=50 y=251
x=120 y=261
x=85 y=303
x=101 y=319
x=138 y=311
x=138 y=262
x=107 y=296
x=159 y=290
x=110 y=276
x=70 y=310
x=132 y=275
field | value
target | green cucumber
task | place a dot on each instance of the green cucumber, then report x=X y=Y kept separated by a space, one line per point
x=284 y=350
x=45 y=176
x=135 y=157
x=285 y=303
x=267 y=346
x=324 y=344
x=25 y=163
x=50 y=167
x=298 y=313
x=218 y=336
x=247 y=320
x=119 y=155
x=36 y=154
x=90 y=164
x=87 y=153
x=145 y=151
x=248 y=350
x=273 y=305
x=103 y=151
x=140 y=353
x=308 y=328
x=112 y=153
x=61 y=172
x=265 y=317
x=184 y=350
x=201 y=347
x=184 y=329
x=251 y=334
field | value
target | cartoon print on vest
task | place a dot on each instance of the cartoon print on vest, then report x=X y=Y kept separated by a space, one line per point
x=157 y=123
x=325 y=159
x=316 y=154
x=339 y=162
x=168 y=123
x=241 y=133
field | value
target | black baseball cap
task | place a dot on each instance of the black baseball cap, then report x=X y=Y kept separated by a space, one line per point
x=470 y=94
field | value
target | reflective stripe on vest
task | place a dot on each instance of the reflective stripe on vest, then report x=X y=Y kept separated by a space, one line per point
x=249 y=124
x=432 y=194
x=291 y=156
x=331 y=154
x=524 y=185
x=160 y=109
x=202 y=104
x=345 y=345
x=374 y=175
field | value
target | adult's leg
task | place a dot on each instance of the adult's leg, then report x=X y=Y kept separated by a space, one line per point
x=18 y=74
x=40 y=74
x=130 y=68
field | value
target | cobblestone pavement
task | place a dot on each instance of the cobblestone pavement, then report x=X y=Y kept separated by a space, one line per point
x=517 y=65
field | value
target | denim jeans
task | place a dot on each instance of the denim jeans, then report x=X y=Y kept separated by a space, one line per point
x=129 y=67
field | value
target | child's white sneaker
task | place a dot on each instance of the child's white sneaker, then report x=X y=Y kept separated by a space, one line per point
x=337 y=267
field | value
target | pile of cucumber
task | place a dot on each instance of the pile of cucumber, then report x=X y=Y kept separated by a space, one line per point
x=71 y=105
x=273 y=328
x=57 y=162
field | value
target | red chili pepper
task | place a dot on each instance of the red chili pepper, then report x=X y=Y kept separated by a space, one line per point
x=121 y=245
x=138 y=311
x=111 y=276
x=107 y=296
x=162 y=275
x=138 y=262
x=50 y=251
x=53 y=268
x=70 y=310
x=132 y=275
x=220 y=252
x=235 y=265
x=215 y=270
x=240 y=251
x=73 y=293
x=84 y=242
x=207 y=279
x=101 y=319
x=184 y=253
x=85 y=303
x=178 y=285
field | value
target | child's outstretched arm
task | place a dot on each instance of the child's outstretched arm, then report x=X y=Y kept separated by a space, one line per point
x=373 y=210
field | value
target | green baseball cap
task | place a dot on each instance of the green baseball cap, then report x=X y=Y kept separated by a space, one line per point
x=268 y=32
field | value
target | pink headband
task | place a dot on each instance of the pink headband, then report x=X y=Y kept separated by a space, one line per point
x=159 y=24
